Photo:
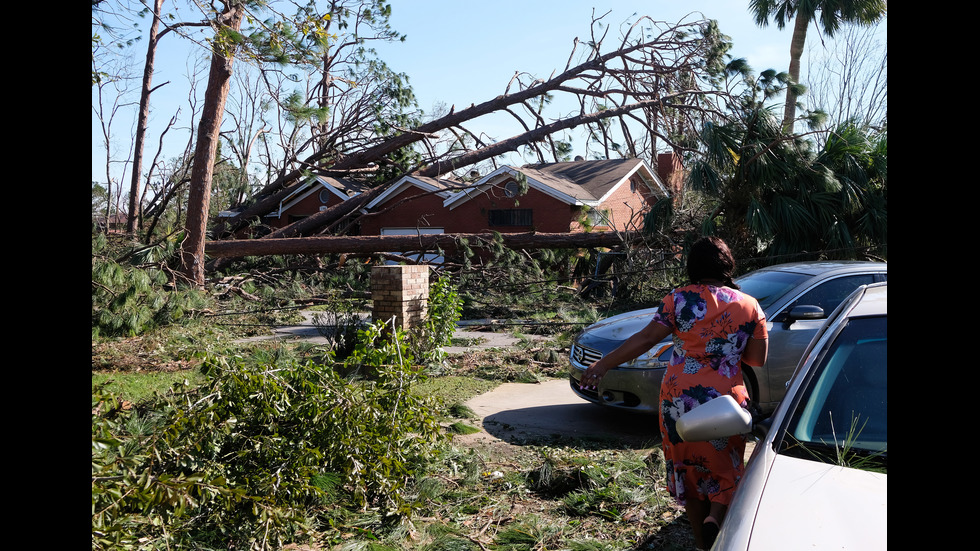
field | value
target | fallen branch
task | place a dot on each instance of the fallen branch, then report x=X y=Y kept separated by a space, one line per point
x=393 y=243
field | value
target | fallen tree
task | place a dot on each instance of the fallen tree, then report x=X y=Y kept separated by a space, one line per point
x=391 y=243
x=654 y=81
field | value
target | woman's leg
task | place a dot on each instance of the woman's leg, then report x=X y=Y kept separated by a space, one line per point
x=717 y=512
x=712 y=523
x=700 y=510
x=697 y=510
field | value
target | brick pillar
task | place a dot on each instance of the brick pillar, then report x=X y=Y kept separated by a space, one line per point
x=402 y=292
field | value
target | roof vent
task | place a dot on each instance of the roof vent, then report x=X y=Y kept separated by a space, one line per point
x=579 y=158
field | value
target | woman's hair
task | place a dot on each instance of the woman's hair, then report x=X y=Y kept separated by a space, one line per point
x=710 y=258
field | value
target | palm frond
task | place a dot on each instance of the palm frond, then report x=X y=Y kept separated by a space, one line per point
x=704 y=178
x=759 y=220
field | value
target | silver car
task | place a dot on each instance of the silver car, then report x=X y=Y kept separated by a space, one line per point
x=818 y=477
x=796 y=298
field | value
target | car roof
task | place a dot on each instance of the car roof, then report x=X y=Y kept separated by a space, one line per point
x=874 y=302
x=819 y=267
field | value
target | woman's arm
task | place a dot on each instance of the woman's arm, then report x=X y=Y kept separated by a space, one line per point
x=756 y=351
x=640 y=342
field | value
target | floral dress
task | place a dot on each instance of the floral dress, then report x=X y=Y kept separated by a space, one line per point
x=711 y=326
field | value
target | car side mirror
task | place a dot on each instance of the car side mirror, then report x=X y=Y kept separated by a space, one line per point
x=802 y=312
x=806 y=312
x=718 y=418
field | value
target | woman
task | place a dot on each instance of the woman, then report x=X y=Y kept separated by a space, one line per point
x=715 y=328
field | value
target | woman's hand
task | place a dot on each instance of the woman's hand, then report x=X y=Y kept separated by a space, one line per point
x=637 y=344
x=590 y=379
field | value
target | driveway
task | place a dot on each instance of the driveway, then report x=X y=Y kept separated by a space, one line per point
x=537 y=413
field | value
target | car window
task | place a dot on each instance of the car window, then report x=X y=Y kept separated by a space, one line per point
x=842 y=415
x=768 y=287
x=829 y=294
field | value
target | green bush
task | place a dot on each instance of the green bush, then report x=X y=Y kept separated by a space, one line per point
x=444 y=311
x=251 y=456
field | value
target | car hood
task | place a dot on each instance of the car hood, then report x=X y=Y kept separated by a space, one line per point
x=812 y=505
x=621 y=327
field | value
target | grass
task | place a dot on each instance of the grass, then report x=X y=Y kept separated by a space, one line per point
x=135 y=386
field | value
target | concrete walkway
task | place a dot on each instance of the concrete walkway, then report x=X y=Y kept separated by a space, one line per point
x=307 y=331
x=537 y=413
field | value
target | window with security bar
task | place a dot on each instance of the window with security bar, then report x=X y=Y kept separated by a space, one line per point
x=511 y=217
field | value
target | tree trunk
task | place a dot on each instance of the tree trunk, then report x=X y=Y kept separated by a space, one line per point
x=795 y=53
x=198 y=204
x=391 y=243
x=144 y=114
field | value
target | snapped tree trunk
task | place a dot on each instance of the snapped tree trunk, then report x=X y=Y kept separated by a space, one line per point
x=399 y=243
x=198 y=203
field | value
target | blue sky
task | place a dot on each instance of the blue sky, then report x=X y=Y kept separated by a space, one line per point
x=457 y=51
x=466 y=52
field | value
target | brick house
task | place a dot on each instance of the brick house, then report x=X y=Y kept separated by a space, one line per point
x=560 y=198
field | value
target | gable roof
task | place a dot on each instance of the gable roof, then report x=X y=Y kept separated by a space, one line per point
x=340 y=187
x=441 y=186
x=574 y=182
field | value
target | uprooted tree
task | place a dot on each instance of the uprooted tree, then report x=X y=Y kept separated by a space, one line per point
x=655 y=87
x=650 y=88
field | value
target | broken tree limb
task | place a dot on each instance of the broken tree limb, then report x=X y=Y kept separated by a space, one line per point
x=393 y=243
x=641 y=75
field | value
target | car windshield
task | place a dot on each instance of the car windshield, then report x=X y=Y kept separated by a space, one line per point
x=842 y=416
x=768 y=287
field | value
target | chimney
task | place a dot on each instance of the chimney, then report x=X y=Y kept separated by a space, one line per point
x=670 y=171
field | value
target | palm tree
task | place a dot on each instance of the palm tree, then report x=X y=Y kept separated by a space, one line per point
x=775 y=195
x=829 y=13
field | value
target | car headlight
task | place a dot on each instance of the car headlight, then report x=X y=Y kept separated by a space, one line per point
x=651 y=358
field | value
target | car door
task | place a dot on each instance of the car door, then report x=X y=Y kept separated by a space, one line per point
x=788 y=338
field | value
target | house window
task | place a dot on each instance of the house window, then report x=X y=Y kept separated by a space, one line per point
x=599 y=217
x=511 y=217
x=324 y=196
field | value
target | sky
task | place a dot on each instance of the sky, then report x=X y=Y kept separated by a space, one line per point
x=458 y=53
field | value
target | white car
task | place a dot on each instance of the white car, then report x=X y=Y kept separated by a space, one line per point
x=817 y=479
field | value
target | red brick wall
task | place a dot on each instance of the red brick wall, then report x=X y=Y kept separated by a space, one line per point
x=423 y=211
x=472 y=216
x=625 y=206
x=671 y=172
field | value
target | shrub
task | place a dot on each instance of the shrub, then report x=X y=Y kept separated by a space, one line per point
x=339 y=325
x=444 y=310
x=250 y=456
